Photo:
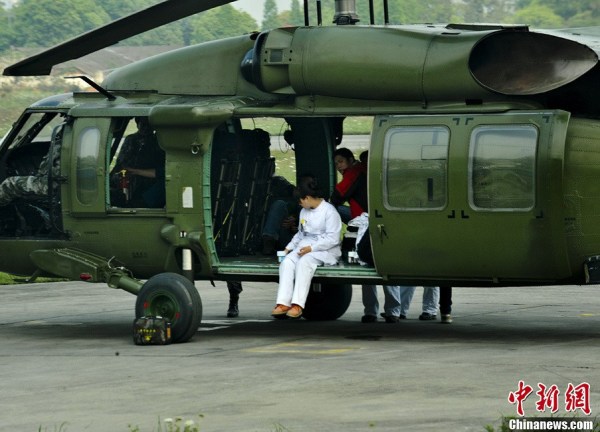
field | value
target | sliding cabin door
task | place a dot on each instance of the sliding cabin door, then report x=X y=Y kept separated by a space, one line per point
x=473 y=198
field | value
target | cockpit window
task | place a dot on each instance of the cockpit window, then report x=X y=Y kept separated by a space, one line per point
x=28 y=143
x=36 y=128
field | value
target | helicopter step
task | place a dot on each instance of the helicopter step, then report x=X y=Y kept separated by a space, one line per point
x=239 y=266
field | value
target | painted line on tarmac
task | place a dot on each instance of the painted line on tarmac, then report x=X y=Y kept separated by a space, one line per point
x=211 y=325
x=302 y=348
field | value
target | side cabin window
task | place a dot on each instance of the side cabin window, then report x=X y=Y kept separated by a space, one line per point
x=87 y=150
x=137 y=165
x=502 y=168
x=416 y=168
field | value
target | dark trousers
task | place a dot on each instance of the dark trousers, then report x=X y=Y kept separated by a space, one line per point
x=445 y=300
x=235 y=288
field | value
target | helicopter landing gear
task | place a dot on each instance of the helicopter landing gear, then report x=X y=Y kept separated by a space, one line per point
x=327 y=302
x=174 y=297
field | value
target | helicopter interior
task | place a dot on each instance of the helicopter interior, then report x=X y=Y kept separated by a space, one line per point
x=252 y=178
x=242 y=169
x=33 y=214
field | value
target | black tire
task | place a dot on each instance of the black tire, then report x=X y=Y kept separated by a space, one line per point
x=327 y=304
x=174 y=297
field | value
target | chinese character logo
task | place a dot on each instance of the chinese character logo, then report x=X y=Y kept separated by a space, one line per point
x=547 y=398
x=576 y=398
x=519 y=396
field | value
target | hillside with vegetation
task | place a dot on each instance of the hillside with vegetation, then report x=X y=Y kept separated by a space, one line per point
x=29 y=26
x=42 y=23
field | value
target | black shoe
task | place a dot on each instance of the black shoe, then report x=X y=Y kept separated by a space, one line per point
x=391 y=319
x=233 y=310
x=427 y=317
x=368 y=319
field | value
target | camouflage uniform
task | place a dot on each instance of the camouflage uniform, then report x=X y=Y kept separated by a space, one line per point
x=19 y=186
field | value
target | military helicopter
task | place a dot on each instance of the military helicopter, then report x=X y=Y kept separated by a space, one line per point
x=483 y=169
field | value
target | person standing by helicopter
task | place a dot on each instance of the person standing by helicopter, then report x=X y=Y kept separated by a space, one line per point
x=140 y=169
x=353 y=189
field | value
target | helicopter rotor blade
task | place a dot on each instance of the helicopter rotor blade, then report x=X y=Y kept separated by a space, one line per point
x=111 y=33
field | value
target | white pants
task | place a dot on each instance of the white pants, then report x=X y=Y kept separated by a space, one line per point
x=295 y=275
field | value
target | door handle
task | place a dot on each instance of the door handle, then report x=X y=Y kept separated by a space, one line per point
x=382 y=232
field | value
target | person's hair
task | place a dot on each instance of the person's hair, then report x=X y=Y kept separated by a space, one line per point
x=364 y=156
x=345 y=153
x=308 y=186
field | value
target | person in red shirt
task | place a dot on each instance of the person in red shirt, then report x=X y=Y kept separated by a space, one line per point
x=353 y=189
x=353 y=186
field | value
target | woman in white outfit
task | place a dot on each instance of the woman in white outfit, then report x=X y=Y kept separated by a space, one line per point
x=316 y=243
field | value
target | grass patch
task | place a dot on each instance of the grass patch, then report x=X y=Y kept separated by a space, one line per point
x=10 y=279
x=358 y=125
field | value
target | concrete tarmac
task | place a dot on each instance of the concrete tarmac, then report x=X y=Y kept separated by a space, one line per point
x=68 y=363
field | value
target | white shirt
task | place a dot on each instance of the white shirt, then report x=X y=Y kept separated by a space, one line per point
x=320 y=228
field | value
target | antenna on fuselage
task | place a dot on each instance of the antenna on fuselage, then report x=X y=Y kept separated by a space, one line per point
x=306 y=20
x=95 y=86
x=386 y=12
x=319 y=14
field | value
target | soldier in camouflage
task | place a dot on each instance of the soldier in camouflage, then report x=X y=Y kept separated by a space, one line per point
x=33 y=185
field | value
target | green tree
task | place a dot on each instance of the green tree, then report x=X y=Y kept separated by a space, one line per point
x=225 y=21
x=537 y=15
x=170 y=34
x=487 y=11
x=296 y=14
x=438 y=11
x=406 y=12
x=119 y=8
x=270 y=13
x=573 y=13
x=48 y=22
x=6 y=29
x=585 y=19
